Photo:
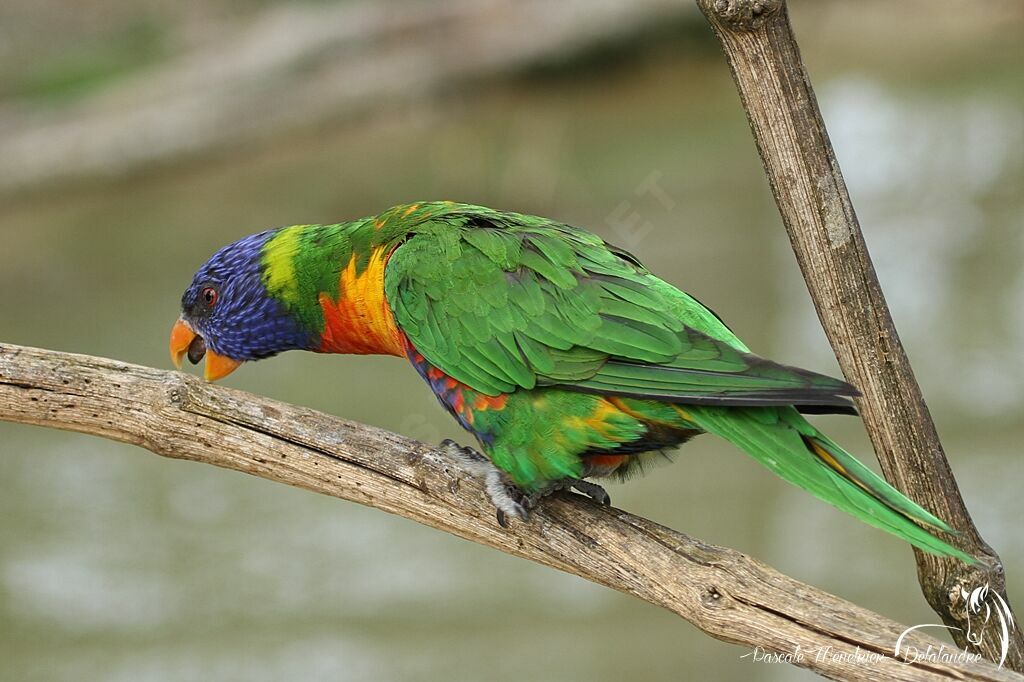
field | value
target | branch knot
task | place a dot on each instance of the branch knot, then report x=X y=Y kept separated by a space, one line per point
x=744 y=15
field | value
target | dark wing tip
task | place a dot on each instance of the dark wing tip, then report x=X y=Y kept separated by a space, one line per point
x=848 y=409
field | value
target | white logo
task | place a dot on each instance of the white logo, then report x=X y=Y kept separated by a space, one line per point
x=982 y=605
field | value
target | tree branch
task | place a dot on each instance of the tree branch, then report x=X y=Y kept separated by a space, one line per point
x=816 y=209
x=724 y=593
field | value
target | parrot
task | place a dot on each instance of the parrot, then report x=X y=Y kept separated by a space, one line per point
x=561 y=354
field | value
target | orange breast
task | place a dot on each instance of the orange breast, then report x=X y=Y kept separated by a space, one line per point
x=360 y=321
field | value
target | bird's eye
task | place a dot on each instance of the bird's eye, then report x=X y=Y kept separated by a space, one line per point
x=209 y=296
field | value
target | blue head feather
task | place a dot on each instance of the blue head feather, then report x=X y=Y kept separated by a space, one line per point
x=244 y=323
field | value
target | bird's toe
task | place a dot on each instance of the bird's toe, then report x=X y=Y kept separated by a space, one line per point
x=593 y=491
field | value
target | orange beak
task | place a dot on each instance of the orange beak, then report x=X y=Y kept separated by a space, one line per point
x=181 y=338
x=217 y=366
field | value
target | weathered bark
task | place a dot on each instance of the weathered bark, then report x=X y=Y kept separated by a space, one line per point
x=816 y=209
x=724 y=593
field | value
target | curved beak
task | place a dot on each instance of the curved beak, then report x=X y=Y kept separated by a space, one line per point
x=185 y=341
x=218 y=366
x=181 y=338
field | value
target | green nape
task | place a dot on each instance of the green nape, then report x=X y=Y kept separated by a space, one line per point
x=300 y=262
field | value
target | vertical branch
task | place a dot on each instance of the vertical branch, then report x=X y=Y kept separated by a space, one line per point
x=826 y=237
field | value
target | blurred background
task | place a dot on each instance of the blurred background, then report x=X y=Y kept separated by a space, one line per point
x=138 y=137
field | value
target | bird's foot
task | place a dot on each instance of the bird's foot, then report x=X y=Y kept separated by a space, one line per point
x=470 y=458
x=510 y=500
x=592 y=490
x=507 y=498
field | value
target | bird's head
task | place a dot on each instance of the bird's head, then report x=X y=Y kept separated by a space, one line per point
x=228 y=316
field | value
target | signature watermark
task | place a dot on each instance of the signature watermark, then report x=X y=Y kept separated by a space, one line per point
x=627 y=220
x=982 y=605
x=801 y=655
x=987 y=615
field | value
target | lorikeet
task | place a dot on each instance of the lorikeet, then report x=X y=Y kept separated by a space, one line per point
x=560 y=353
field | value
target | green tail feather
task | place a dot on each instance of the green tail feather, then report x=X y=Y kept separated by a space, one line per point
x=783 y=441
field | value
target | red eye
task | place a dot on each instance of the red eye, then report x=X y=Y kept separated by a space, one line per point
x=209 y=296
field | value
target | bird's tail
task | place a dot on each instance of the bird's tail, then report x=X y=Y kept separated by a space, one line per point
x=786 y=443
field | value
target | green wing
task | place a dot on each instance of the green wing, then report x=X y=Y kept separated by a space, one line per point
x=501 y=301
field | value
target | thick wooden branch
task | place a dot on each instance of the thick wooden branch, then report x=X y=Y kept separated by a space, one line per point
x=816 y=209
x=724 y=593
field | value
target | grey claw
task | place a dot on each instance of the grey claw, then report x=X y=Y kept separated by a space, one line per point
x=468 y=456
x=517 y=510
x=593 y=491
x=506 y=497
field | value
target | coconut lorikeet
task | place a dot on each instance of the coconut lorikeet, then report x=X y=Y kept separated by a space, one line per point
x=560 y=353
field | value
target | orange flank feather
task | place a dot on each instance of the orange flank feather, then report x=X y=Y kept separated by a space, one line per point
x=606 y=462
x=457 y=396
x=480 y=402
x=360 y=321
x=487 y=402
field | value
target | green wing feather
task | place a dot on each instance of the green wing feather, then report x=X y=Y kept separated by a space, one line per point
x=502 y=301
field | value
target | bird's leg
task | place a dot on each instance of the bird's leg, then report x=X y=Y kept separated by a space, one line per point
x=525 y=502
x=508 y=498
x=470 y=458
